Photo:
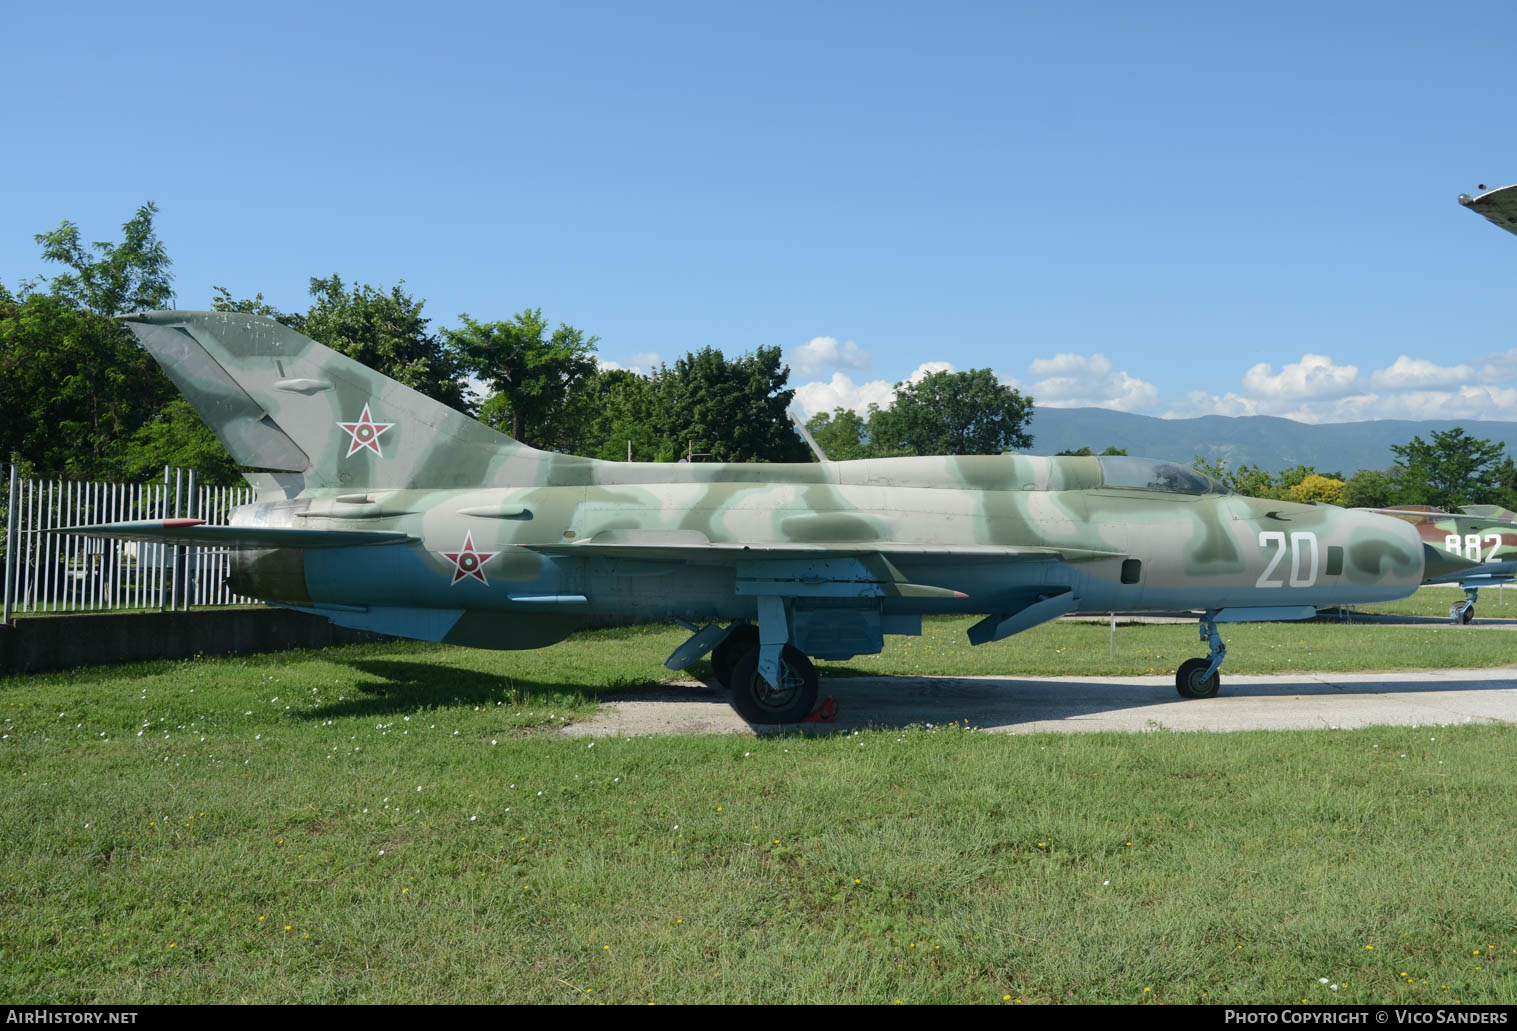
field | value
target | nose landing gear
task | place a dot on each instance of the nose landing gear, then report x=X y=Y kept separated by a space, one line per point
x=1199 y=678
x=1463 y=611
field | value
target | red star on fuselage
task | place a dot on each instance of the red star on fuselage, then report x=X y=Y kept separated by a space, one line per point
x=468 y=562
x=365 y=433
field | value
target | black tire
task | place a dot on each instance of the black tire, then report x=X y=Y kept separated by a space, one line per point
x=741 y=638
x=1467 y=615
x=1189 y=683
x=757 y=702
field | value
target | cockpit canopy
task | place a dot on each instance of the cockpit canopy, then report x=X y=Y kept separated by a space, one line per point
x=1151 y=474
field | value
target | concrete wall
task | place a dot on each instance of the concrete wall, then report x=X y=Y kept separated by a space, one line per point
x=40 y=643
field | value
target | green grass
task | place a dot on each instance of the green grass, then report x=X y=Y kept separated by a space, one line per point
x=212 y=830
x=1435 y=601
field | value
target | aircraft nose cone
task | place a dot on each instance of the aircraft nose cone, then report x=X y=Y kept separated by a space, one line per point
x=1385 y=550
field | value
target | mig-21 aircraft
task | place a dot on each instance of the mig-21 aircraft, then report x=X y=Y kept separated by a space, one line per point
x=1483 y=534
x=384 y=510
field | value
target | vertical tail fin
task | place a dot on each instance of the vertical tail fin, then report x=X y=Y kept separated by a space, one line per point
x=283 y=403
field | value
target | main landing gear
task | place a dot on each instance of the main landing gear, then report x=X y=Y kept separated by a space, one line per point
x=735 y=664
x=1199 y=678
x=1463 y=611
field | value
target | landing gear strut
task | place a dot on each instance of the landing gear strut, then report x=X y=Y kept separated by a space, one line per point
x=1199 y=678
x=1464 y=611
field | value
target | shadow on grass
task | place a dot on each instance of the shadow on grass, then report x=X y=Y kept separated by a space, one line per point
x=402 y=687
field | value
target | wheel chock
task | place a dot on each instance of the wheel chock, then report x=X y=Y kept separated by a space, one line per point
x=825 y=713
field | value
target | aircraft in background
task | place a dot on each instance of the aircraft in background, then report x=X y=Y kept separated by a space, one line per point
x=1484 y=534
x=384 y=510
x=1498 y=206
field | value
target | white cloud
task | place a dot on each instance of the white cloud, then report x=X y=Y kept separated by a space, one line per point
x=1408 y=373
x=1314 y=375
x=926 y=369
x=645 y=360
x=842 y=392
x=821 y=353
x=1088 y=381
x=1061 y=365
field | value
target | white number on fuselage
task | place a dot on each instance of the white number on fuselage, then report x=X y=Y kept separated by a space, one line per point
x=1303 y=569
x=1469 y=546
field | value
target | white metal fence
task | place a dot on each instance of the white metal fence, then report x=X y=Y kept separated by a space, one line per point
x=54 y=572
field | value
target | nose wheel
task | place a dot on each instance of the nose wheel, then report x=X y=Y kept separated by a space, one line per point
x=1201 y=678
x=1462 y=612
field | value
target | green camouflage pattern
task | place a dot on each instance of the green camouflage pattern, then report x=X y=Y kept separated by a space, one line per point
x=504 y=546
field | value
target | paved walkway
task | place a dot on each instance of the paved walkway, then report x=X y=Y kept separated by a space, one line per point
x=1024 y=705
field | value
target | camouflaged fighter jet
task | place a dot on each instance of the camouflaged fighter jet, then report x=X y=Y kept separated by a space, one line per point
x=1483 y=534
x=384 y=510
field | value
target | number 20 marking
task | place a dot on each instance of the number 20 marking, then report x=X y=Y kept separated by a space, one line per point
x=1302 y=542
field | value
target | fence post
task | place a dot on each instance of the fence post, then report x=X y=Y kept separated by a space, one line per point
x=10 y=542
x=191 y=555
x=163 y=551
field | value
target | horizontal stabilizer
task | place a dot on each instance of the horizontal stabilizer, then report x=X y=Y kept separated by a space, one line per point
x=197 y=533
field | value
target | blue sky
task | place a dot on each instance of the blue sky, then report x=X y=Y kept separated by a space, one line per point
x=1171 y=209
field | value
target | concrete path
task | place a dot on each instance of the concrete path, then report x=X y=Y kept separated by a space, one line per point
x=1024 y=705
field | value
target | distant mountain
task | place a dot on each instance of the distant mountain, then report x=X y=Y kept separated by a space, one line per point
x=1265 y=441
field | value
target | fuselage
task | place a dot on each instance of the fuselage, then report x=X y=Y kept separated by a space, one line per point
x=671 y=541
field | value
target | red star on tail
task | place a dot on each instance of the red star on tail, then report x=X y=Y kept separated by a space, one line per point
x=468 y=562
x=365 y=433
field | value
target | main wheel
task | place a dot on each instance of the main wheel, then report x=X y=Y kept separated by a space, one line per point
x=1467 y=615
x=741 y=639
x=789 y=702
x=1189 y=683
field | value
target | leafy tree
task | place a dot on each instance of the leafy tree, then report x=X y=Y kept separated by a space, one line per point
x=130 y=276
x=386 y=332
x=1316 y=487
x=531 y=373
x=732 y=409
x=224 y=301
x=621 y=408
x=1371 y=488
x=73 y=387
x=1248 y=480
x=176 y=436
x=1086 y=452
x=843 y=434
x=953 y=413
x=1452 y=470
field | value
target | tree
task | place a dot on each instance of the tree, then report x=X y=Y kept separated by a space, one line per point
x=843 y=434
x=1371 y=488
x=1452 y=470
x=734 y=410
x=620 y=408
x=1248 y=480
x=1086 y=452
x=256 y=306
x=953 y=413
x=386 y=332
x=176 y=436
x=130 y=276
x=1316 y=487
x=532 y=374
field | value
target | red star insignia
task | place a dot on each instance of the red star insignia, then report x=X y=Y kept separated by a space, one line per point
x=365 y=433
x=468 y=562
